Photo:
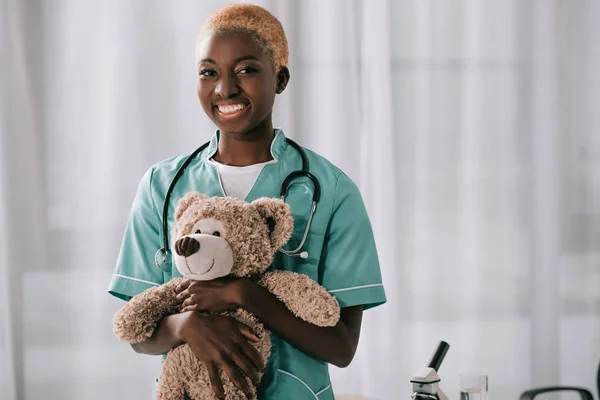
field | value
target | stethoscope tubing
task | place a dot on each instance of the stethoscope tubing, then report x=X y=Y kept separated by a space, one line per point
x=164 y=251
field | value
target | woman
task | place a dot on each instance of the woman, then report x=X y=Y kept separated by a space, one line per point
x=242 y=57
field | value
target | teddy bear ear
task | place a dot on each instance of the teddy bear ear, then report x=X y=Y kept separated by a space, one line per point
x=278 y=217
x=186 y=201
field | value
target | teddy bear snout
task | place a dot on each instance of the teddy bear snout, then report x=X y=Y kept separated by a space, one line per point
x=187 y=246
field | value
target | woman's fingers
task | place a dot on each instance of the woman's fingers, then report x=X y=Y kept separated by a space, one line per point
x=247 y=332
x=215 y=381
x=236 y=377
x=183 y=286
x=252 y=355
x=247 y=367
x=190 y=308
x=182 y=297
x=247 y=349
x=188 y=302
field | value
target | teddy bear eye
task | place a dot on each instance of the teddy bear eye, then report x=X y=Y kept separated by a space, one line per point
x=217 y=233
x=198 y=231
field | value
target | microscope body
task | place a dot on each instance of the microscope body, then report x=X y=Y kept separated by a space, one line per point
x=426 y=381
x=426 y=385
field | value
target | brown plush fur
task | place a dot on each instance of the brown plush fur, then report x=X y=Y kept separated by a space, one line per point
x=137 y=321
x=253 y=21
x=301 y=296
x=254 y=232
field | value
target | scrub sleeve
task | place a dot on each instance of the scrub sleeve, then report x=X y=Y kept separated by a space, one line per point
x=135 y=270
x=349 y=264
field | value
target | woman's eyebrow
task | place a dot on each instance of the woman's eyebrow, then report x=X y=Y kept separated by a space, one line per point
x=237 y=60
x=248 y=57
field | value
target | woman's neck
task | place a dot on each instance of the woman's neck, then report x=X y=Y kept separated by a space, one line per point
x=248 y=148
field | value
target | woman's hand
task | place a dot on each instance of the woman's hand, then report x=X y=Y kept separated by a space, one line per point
x=221 y=344
x=217 y=295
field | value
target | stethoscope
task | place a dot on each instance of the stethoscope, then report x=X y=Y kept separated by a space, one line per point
x=284 y=188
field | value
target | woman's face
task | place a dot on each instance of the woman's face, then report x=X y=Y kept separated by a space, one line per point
x=236 y=82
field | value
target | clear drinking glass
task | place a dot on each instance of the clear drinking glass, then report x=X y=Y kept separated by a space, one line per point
x=473 y=386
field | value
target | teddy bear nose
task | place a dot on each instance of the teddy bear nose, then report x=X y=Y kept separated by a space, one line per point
x=187 y=246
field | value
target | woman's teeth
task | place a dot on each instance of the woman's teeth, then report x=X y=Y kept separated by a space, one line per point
x=230 y=109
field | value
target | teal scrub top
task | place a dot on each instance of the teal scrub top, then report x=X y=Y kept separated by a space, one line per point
x=342 y=255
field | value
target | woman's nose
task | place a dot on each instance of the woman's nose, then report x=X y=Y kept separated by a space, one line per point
x=227 y=86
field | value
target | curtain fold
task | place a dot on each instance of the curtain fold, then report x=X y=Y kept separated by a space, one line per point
x=22 y=191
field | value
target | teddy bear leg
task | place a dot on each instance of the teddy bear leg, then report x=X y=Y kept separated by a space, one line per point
x=183 y=374
x=200 y=388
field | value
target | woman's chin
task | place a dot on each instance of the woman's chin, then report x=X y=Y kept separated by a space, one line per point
x=232 y=126
x=234 y=129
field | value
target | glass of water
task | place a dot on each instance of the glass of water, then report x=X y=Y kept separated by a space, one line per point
x=473 y=386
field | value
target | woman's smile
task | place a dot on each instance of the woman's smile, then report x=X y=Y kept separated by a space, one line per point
x=231 y=111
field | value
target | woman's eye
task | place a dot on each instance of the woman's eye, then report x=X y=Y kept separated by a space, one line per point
x=207 y=72
x=198 y=232
x=217 y=234
x=247 y=70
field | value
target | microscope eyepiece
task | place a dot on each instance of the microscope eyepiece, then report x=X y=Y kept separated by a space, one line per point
x=438 y=356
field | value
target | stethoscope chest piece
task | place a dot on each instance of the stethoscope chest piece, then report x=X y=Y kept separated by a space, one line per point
x=160 y=258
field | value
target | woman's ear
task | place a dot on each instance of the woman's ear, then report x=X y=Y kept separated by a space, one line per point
x=283 y=78
x=186 y=201
x=278 y=217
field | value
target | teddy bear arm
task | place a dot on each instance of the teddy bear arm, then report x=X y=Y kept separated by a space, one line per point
x=304 y=297
x=137 y=320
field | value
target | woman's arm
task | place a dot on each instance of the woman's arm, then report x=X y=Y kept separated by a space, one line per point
x=166 y=336
x=335 y=345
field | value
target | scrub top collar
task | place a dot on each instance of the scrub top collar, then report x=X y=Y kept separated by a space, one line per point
x=278 y=146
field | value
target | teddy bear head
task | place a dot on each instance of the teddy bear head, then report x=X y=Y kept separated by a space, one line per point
x=219 y=236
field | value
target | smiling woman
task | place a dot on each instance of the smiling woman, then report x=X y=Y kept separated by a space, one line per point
x=241 y=57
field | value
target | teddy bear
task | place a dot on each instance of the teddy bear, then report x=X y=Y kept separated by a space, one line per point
x=216 y=237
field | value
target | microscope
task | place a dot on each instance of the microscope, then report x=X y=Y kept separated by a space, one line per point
x=426 y=381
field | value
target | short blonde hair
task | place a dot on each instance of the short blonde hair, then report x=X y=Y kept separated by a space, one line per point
x=254 y=21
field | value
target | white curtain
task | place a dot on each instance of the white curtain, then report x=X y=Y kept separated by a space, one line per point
x=471 y=127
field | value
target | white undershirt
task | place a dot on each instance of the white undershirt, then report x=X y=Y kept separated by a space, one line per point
x=238 y=181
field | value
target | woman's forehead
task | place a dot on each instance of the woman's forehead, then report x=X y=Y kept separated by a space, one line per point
x=228 y=47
